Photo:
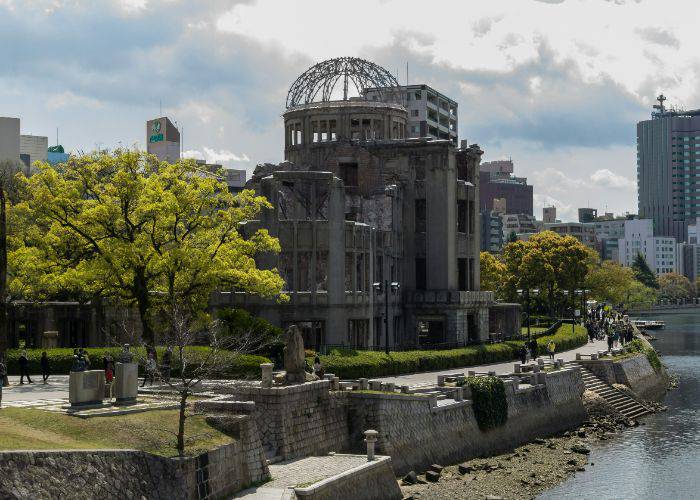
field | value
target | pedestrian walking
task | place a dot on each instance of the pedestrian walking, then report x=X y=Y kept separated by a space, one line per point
x=318 y=368
x=45 y=372
x=533 y=349
x=522 y=353
x=610 y=342
x=24 y=368
x=551 y=349
x=150 y=370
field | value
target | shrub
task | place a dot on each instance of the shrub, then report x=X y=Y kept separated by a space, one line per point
x=61 y=360
x=652 y=356
x=488 y=401
x=352 y=364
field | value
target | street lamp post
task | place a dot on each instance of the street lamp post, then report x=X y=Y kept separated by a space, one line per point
x=526 y=294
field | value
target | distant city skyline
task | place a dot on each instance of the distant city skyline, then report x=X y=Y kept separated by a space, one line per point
x=558 y=85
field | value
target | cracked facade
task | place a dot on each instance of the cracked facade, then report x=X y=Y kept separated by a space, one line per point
x=357 y=203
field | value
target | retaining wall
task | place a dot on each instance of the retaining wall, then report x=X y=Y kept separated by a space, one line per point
x=134 y=474
x=635 y=372
x=415 y=433
x=298 y=420
x=371 y=481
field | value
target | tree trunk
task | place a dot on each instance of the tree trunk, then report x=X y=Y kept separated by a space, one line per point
x=143 y=300
x=181 y=422
x=3 y=272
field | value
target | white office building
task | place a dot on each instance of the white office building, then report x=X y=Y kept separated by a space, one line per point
x=33 y=148
x=658 y=251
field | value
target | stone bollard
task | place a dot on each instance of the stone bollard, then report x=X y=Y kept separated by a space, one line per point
x=536 y=369
x=433 y=400
x=390 y=387
x=370 y=439
x=459 y=394
x=492 y=374
x=266 y=374
x=517 y=368
x=594 y=356
x=578 y=356
x=375 y=385
x=471 y=373
x=561 y=362
x=441 y=380
x=405 y=389
x=335 y=383
x=540 y=362
x=364 y=384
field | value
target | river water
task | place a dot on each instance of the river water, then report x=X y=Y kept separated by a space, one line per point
x=660 y=459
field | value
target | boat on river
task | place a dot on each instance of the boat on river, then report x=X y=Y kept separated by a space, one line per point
x=649 y=324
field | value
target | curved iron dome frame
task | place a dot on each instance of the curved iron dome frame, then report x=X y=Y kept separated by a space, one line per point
x=322 y=78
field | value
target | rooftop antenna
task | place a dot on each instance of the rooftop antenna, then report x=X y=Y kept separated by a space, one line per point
x=661 y=98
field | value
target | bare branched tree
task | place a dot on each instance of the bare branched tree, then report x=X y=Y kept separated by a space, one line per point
x=201 y=351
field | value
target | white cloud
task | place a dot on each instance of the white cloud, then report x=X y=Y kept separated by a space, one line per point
x=606 y=178
x=481 y=27
x=211 y=155
x=658 y=36
x=73 y=101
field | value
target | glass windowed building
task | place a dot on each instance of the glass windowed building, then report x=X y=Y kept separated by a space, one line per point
x=668 y=169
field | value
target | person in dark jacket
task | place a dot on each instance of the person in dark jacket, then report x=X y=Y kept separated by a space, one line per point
x=24 y=368
x=45 y=372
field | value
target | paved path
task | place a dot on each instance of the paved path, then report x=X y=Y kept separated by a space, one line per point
x=427 y=378
x=56 y=388
x=301 y=472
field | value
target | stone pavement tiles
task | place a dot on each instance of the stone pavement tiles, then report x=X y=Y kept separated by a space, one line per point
x=310 y=470
x=61 y=405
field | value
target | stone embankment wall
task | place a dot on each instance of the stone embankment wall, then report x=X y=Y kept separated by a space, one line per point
x=298 y=420
x=135 y=474
x=372 y=481
x=635 y=372
x=416 y=434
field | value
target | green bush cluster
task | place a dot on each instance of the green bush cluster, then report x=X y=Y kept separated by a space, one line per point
x=488 y=401
x=352 y=364
x=652 y=356
x=232 y=365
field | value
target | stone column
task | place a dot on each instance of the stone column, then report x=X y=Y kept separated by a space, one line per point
x=266 y=369
x=370 y=439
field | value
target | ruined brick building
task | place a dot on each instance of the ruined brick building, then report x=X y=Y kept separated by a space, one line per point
x=365 y=215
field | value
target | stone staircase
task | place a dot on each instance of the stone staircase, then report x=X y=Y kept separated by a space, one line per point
x=624 y=404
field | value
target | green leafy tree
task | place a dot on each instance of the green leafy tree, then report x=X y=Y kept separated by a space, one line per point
x=493 y=273
x=9 y=172
x=639 y=295
x=512 y=237
x=610 y=282
x=147 y=233
x=674 y=286
x=643 y=273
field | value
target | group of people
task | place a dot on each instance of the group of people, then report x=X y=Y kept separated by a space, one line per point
x=608 y=324
x=530 y=350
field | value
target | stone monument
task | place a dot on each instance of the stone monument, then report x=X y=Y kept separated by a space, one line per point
x=86 y=387
x=294 y=356
x=125 y=386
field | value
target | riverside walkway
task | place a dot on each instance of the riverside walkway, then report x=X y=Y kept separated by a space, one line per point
x=428 y=378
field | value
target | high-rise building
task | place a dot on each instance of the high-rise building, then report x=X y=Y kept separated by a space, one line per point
x=586 y=215
x=549 y=215
x=9 y=139
x=689 y=261
x=491 y=231
x=430 y=113
x=496 y=180
x=518 y=224
x=163 y=139
x=668 y=162
x=658 y=251
x=33 y=148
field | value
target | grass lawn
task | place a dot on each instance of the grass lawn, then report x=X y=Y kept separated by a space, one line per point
x=533 y=329
x=151 y=431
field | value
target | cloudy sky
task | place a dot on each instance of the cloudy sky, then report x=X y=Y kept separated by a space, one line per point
x=557 y=85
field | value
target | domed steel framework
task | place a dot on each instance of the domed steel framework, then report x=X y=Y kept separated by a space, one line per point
x=318 y=82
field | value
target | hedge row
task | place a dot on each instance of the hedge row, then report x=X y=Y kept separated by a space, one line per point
x=231 y=365
x=350 y=364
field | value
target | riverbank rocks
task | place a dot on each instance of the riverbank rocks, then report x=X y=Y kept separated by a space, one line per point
x=432 y=476
x=580 y=448
x=410 y=478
